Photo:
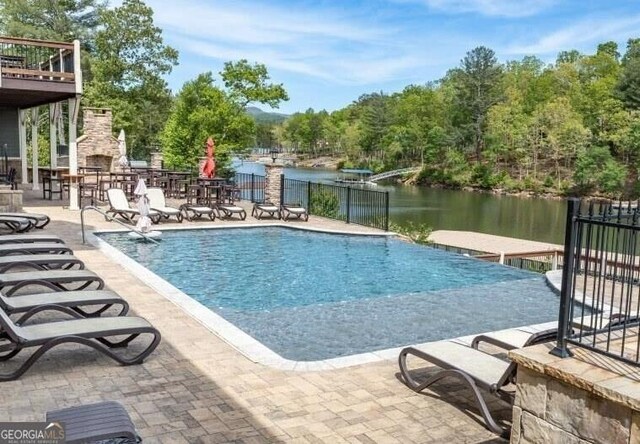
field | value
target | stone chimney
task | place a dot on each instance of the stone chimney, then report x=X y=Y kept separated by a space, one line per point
x=97 y=146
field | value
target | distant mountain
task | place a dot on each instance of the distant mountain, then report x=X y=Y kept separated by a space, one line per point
x=265 y=117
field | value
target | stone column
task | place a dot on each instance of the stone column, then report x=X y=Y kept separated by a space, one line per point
x=156 y=160
x=273 y=171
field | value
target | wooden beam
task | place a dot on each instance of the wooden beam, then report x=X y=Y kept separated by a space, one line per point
x=34 y=42
x=61 y=76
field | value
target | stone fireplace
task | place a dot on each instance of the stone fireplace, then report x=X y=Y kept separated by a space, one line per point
x=97 y=146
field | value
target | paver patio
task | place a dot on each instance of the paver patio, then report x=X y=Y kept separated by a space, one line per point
x=198 y=388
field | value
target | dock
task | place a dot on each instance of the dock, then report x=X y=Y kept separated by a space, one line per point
x=489 y=243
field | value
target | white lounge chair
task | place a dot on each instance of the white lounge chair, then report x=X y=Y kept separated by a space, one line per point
x=158 y=203
x=119 y=206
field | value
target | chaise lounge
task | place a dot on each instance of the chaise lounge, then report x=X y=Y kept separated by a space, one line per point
x=56 y=280
x=40 y=262
x=68 y=302
x=16 y=224
x=227 y=210
x=158 y=203
x=119 y=206
x=92 y=332
x=289 y=211
x=34 y=248
x=38 y=220
x=476 y=369
x=262 y=208
x=29 y=238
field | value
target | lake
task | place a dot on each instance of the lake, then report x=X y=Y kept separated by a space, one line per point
x=521 y=217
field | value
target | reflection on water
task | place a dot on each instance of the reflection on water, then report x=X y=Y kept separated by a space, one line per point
x=526 y=218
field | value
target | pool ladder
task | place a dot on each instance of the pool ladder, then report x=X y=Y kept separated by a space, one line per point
x=112 y=219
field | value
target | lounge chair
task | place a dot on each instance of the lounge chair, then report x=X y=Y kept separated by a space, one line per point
x=69 y=302
x=288 y=211
x=477 y=369
x=196 y=211
x=56 y=280
x=34 y=248
x=16 y=224
x=262 y=208
x=106 y=421
x=40 y=262
x=158 y=203
x=92 y=332
x=29 y=238
x=39 y=220
x=119 y=206
x=227 y=210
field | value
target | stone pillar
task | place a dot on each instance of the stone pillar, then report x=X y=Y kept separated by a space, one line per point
x=273 y=171
x=10 y=200
x=156 y=160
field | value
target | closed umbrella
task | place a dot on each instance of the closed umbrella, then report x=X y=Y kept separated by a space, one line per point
x=122 y=147
x=209 y=167
x=144 y=223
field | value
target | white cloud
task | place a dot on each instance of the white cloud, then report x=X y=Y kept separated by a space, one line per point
x=495 y=8
x=328 y=44
x=580 y=33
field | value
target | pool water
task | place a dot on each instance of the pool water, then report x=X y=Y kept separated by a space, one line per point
x=311 y=296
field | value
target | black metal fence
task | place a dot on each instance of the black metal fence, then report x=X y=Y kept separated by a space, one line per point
x=352 y=205
x=251 y=186
x=600 y=295
x=349 y=204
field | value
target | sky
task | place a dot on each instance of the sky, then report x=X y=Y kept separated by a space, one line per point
x=327 y=53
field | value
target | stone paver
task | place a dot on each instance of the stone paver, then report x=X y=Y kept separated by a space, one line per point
x=197 y=388
x=489 y=243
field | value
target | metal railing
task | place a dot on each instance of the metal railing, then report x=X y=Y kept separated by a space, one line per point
x=37 y=59
x=251 y=186
x=111 y=219
x=349 y=204
x=600 y=289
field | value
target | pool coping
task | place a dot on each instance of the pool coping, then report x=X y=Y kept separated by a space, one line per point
x=248 y=346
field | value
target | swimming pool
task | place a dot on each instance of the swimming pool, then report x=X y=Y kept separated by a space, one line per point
x=312 y=296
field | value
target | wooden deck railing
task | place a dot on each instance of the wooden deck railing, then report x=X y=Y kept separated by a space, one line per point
x=37 y=60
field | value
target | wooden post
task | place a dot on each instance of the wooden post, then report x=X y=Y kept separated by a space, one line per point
x=53 y=134
x=74 y=104
x=22 y=141
x=34 y=148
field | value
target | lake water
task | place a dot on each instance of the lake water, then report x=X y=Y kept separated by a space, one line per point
x=521 y=217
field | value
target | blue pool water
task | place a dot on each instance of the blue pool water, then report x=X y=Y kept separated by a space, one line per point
x=311 y=296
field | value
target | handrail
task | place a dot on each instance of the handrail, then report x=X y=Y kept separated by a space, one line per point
x=111 y=219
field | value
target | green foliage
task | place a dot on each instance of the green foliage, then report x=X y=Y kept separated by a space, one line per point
x=324 y=203
x=127 y=69
x=247 y=83
x=202 y=110
x=418 y=233
x=596 y=169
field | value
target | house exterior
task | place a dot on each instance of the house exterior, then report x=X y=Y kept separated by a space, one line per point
x=33 y=74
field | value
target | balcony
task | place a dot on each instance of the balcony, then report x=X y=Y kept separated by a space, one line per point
x=37 y=72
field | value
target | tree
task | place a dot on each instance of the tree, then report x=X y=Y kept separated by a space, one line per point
x=127 y=68
x=478 y=80
x=62 y=20
x=248 y=83
x=629 y=84
x=202 y=110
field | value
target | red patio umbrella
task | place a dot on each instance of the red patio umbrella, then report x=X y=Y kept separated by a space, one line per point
x=209 y=167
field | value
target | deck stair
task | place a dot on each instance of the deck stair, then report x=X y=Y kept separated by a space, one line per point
x=393 y=173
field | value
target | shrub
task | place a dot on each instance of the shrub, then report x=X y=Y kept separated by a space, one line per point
x=418 y=233
x=324 y=203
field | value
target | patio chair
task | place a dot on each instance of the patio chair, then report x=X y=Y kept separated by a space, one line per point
x=92 y=332
x=106 y=421
x=288 y=211
x=475 y=368
x=29 y=238
x=40 y=262
x=158 y=203
x=227 y=210
x=69 y=302
x=39 y=220
x=16 y=224
x=119 y=206
x=56 y=280
x=34 y=248
x=196 y=211
x=262 y=208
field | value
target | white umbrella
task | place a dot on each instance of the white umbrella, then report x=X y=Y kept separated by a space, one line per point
x=122 y=147
x=144 y=223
